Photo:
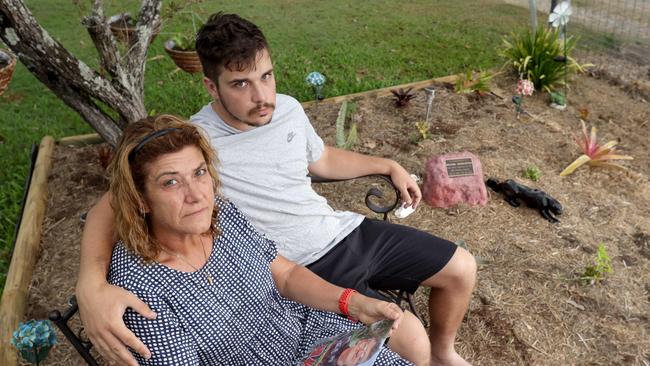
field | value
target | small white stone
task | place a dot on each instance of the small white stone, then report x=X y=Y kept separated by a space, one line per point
x=403 y=211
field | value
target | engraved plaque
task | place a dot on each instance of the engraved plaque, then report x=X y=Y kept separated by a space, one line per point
x=459 y=167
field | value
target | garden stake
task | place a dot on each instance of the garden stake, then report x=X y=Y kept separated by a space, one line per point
x=431 y=94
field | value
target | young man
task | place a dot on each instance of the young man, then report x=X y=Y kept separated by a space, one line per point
x=266 y=147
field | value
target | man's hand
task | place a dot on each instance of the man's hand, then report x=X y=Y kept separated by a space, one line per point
x=408 y=188
x=101 y=310
x=369 y=310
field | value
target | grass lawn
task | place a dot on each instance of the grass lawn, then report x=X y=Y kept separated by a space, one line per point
x=357 y=45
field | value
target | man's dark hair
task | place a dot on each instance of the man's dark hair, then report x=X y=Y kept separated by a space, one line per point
x=228 y=41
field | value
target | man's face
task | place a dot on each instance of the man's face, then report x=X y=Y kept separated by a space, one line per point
x=245 y=99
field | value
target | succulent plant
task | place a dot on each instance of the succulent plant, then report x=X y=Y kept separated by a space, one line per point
x=402 y=97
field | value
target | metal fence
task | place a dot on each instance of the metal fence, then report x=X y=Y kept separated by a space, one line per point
x=611 y=26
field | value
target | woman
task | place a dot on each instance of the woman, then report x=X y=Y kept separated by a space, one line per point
x=218 y=287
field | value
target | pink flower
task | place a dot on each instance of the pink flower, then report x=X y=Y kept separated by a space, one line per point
x=525 y=87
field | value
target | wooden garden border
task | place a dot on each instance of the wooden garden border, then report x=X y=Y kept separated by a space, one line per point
x=26 y=250
x=14 y=298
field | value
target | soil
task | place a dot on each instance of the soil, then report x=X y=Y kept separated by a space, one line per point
x=529 y=306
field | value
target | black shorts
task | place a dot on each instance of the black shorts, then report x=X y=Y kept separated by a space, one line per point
x=382 y=256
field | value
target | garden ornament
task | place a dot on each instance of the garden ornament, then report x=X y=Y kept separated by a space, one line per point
x=454 y=178
x=533 y=198
x=316 y=80
x=560 y=15
x=34 y=339
x=559 y=18
x=431 y=94
x=524 y=88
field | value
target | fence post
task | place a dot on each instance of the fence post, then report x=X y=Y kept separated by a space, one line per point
x=532 y=4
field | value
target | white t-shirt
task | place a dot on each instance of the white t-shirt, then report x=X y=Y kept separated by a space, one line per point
x=264 y=172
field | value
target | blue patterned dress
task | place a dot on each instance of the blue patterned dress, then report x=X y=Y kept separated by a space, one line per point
x=241 y=319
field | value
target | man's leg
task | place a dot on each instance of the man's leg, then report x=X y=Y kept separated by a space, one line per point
x=410 y=340
x=451 y=290
x=405 y=258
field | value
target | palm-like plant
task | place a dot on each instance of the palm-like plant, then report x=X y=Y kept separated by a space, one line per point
x=594 y=154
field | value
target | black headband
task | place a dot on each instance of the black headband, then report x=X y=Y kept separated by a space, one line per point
x=148 y=138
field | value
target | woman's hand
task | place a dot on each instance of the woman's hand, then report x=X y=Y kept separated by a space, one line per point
x=369 y=310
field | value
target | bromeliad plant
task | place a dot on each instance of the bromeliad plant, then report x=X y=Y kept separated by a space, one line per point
x=594 y=154
x=402 y=97
x=34 y=340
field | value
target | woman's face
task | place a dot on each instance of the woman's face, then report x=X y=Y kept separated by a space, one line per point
x=179 y=193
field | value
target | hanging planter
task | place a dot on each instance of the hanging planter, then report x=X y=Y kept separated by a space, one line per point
x=185 y=58
x=7 y=67
x=123 y=27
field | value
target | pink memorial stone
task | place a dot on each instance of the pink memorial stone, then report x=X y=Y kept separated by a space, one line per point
x=454 y=178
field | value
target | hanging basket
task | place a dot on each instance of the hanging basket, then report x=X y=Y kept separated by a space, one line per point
x=187 y=61
x=7 y=71
x=123 y=28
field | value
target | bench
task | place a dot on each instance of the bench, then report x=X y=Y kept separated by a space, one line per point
x=83 y=345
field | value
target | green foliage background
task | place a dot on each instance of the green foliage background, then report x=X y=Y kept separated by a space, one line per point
x=357 y=45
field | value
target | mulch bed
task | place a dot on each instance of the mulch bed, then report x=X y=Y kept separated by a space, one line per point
x=529 y=306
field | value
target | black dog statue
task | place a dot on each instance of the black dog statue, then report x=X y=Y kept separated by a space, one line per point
x=533 y=198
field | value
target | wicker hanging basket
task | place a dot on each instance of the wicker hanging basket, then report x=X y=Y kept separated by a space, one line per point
x=186 y=60
x=7 y=71
x=123 y=29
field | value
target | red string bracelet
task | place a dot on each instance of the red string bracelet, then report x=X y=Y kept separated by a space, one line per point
x=343 y=302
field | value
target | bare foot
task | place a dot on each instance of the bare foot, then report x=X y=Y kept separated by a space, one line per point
x=452 y=359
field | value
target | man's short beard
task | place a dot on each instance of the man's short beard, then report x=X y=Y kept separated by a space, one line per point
x=248 y=123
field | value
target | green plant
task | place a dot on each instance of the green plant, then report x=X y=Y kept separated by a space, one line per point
x=602 y=265
x=185 y=41
x=531 y=172
x=402 y=97
x=347 y=109
x=540 y=56
x=471 y=82
x=594 y=154
x=423 y=128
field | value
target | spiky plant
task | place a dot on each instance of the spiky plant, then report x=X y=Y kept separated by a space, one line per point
x=402 y=97
x=594 y=154
x=540 y=57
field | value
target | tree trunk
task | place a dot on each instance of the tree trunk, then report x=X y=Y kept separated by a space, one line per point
x=73 y=81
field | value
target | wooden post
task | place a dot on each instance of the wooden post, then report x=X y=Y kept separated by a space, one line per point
x=14 y=298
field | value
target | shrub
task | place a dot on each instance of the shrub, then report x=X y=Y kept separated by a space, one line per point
x=540 y=57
